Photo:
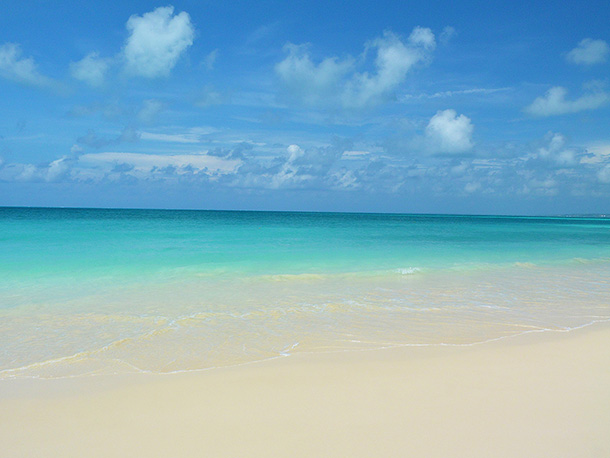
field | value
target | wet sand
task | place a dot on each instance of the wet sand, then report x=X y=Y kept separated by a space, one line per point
x=538 y=394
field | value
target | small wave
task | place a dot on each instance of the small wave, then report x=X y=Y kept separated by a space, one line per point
x=408 y=270
x=292 y=277
x=527 y=265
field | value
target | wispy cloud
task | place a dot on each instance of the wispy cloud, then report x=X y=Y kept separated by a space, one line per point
x=604 y=174
x=210 y=60
x=589 y=52
x=170 y=138
x=15 y=67
x=211 y=96
x=335 y=81
x=151 y=162
x=150 y=109
x=91 y=139
x=91 y=69
x=444 y=94
x=554 y=102
x=192 y=135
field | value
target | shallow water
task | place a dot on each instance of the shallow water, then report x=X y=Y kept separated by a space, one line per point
x=104 y=291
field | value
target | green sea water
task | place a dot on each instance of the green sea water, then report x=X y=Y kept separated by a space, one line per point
x=86 y=291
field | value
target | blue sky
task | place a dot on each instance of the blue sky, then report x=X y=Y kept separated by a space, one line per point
x=437 y=107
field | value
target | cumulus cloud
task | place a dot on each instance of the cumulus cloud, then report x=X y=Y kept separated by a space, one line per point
x=58 y=168
x=596 y=154
x=289 y=170
x=554 y=102
x=545 y=187
x=297 y=168
x=557 y=151
x=336 y=81
x=449 y=133
x=420 y=36
x=15 y=67
x=589 y=52
x=157 y=40
x=53 y=171
x=91 y=69
x=304 y=167
x=113 y=166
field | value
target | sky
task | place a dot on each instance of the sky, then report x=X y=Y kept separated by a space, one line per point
x=476 y=107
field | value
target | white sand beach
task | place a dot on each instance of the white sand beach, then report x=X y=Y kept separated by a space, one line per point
x=541 y=394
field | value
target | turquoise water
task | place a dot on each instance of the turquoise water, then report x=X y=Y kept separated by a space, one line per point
x=87 y=291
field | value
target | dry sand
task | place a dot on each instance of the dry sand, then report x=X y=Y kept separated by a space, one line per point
x=540 y=394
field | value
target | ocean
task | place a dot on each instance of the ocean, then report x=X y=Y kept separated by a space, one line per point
x=98 y=291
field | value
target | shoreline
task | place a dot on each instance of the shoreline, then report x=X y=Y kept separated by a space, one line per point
x=533 y=394
x=286 y=354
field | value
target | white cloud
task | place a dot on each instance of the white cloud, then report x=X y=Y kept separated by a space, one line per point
x=313 y=84
x=289 y=170
x=335 y=81
x=192 y=135
x=210 y=96
x=554 y=102
x=604 y=174
x=449 y=133
x=459 y=169
x=113 y=165
x=170 y=138
x=447 y=34
x=147 y=162
x=91 y=69
x=472 y=187
x=58 y=168
x=596 y=154
x=298 y=168
x=420 y=36
x=210 y=60
x=76 y=149
x=150 y=109
x=53 y=171
x=344 y=179
x=589 y=52
x=557 y=151
x=355 y=154
x=546 y=187
x=393 y=62
x=20 y=69
x=156 y=41
x=437 y=95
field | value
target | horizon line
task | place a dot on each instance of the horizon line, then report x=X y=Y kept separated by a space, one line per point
x=562 y=215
